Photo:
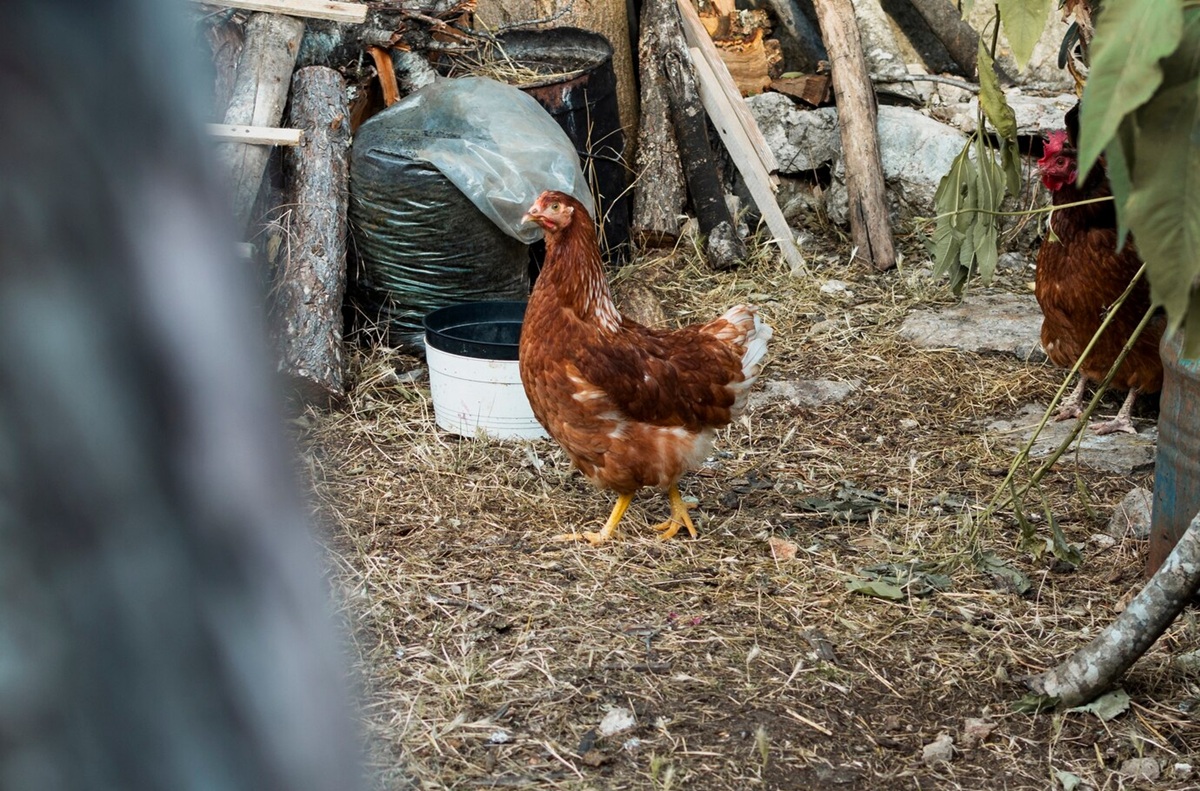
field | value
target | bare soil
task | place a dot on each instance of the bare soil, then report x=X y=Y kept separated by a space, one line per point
x=489 y=654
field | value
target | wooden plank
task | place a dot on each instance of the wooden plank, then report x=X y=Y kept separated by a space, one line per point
x=741 y=150
x=354 y=13
x=694 y=32
x=255 y=135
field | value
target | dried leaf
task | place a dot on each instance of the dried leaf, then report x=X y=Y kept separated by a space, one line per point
x=782 y=549
x=1107 y=706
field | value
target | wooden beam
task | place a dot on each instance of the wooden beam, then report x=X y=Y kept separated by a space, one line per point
x=858 y=122
x=313 y=9
x=255 y=135
x=697 y=36
x=741 y=150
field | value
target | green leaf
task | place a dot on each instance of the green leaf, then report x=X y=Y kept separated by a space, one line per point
x=1024 y=21
x=1010 y=161
x=1163 y=209
x=991 y=96
x=877 y=588
x=1119 y=159
x=1059 y=545
x=1107 y=706
x=1035 y=704
x=991 y=563
x=1131 y=38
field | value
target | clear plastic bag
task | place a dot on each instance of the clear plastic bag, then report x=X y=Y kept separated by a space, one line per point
x=438 y=184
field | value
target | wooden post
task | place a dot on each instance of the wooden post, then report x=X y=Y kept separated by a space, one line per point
x=309 y=287
x=725 y=249
x=858 y=121
x=259 y=95
x=659 y=194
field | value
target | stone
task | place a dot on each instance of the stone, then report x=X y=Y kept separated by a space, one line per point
x=915 y=150
x=806 y=393
x=1120 y=453
x=1131 y=517
x=617 y=720
x=940 y=750
x=1141 y=768
x=1036 y=115
x=981 y=322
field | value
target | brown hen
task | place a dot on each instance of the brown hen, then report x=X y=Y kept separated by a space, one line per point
x=1080 y=274
x=631 y=405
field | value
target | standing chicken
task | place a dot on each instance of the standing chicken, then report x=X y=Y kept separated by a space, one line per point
x=1080 y=274
x=631 y=405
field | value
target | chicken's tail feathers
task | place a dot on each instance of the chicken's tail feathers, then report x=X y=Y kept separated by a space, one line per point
x=742 y=326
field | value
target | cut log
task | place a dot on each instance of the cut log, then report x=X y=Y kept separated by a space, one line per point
x=725 y=250
x=659 y=194
x=857 y=119
x=309 y=287
x=353 y=13
x=259 y=95
x=813 y=89
x=959 y=38
x=746 y=60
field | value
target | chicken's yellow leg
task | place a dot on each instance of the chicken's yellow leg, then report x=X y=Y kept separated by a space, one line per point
x=610 y=527
x=679 y=516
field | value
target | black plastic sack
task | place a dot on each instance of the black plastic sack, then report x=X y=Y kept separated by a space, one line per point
x=438 y=184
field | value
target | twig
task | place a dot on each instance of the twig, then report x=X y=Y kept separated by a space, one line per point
x=1023 y=454
x=966 y=86
x=566 y=9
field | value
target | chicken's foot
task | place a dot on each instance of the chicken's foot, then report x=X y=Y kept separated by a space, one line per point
x=1123 y=421
x=679 y=516
x=1073 y=406
x=606 y=532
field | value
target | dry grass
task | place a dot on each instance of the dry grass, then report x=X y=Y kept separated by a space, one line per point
x=489 y=655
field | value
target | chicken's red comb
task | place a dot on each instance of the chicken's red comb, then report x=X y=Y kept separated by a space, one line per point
x=1054 y=145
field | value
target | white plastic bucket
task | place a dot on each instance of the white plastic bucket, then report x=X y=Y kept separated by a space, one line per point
x=474 y=376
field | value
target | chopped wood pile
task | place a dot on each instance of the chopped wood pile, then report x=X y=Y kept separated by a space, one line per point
x=330 y=65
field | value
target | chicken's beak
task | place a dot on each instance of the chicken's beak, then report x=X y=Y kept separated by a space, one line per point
x=531 y=216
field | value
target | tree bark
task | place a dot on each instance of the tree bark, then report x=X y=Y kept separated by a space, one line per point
x=724 y=248
x=659 y=194
x=857 y=119
x=307 y=298
x=1094 y=668
x=959 y=38
x=259 y=95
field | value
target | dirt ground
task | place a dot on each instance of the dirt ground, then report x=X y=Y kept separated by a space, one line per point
x=490 y=655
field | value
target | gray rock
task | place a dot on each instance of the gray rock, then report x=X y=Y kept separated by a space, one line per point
x=1141 y=768
x=803 y=392
x=1014 y=261
x=985 y=322
x=916 y=151
x=1036 y=115
x=1120 y=453
x=801 y=140
x=940 y=750
x=1131 y=517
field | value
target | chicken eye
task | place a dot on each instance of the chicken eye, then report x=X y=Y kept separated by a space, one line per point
x=555 y=206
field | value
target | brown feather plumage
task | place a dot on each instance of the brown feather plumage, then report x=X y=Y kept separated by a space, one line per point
x=1081 y=273
x=631 y=405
